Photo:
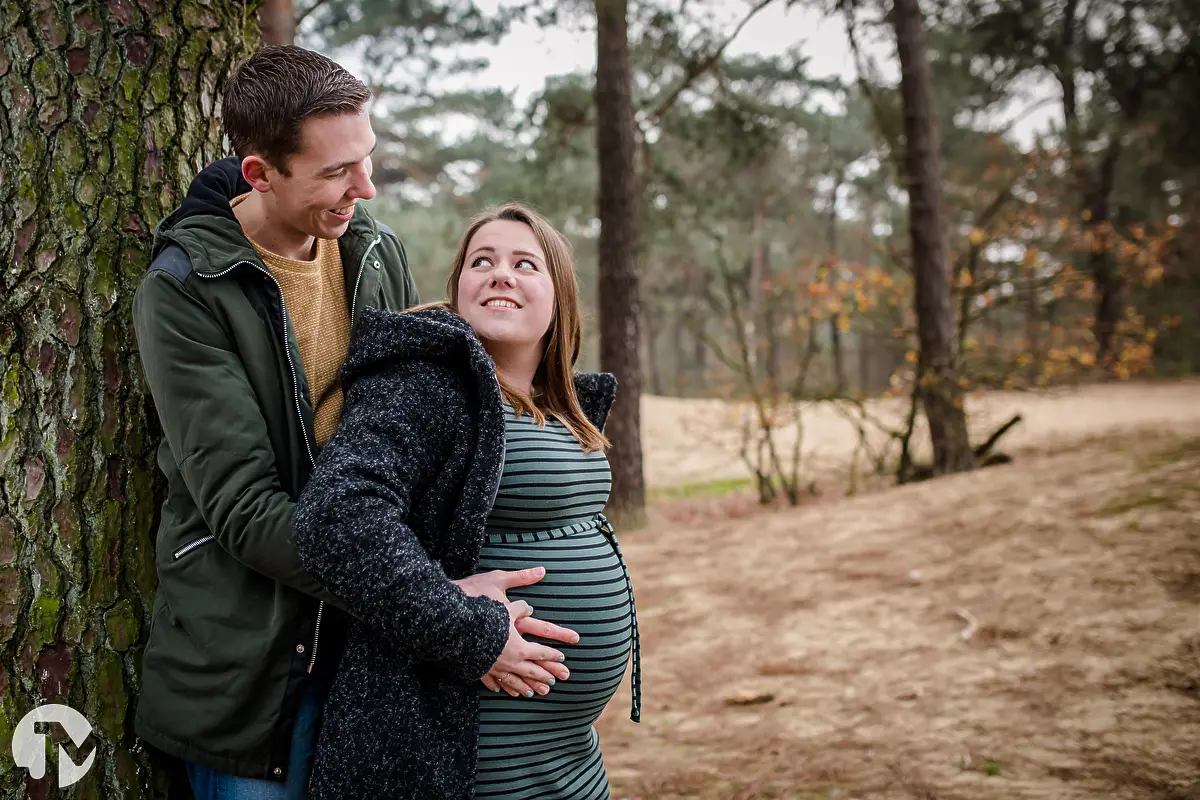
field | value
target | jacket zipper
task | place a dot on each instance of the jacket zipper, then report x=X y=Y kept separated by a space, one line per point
x=361 y=267
x=192 y=545
x=296 y=397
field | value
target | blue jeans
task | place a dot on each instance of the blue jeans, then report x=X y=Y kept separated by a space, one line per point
x=208 y=784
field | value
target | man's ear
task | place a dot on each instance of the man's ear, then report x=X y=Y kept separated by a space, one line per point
x=257 y=172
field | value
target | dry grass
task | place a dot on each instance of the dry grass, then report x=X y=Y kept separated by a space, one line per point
x=697 y=441
x=1076 y=572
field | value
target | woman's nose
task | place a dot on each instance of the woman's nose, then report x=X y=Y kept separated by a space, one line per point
x=503 y=273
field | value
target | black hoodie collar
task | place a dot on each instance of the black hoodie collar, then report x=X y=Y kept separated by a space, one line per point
x=211 y=191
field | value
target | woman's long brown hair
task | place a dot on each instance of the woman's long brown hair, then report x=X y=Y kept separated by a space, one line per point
x=554 y=383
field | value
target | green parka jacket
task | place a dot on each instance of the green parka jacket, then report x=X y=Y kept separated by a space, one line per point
x=238 y=624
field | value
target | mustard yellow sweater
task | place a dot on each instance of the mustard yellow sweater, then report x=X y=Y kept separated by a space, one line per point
x=316 y=304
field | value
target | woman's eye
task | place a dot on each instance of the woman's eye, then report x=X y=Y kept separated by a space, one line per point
x=482 y=261
x=527 y=263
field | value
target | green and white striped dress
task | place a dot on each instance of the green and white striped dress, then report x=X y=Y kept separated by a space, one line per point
x=548 y=513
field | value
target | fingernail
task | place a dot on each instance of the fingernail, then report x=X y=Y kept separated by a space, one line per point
x=551 y=681
x=529 y=692
x=496 y=689
x=561 y=657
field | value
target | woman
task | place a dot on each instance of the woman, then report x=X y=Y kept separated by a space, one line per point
x=468 y=445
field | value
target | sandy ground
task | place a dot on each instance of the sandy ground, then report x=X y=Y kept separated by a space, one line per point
x=1026 y=631
x=693 y=441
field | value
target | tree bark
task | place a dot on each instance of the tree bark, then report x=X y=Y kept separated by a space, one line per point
x=620 y=308
x=107 y=109
x=941 y=395
x=278 y=22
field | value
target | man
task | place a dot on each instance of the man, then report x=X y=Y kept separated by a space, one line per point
x=243 y=322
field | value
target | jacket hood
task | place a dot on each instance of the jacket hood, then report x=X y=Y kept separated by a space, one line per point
x=440 y=336
x=210 y=192
x=206 y=216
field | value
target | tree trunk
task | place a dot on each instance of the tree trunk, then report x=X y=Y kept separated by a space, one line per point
x=835 y=333
x=1100 y=262
x=754 y=292
x=620 y=308
x=679 y=375
x=278 y=22
x=839 y=361
x=865 y=345
x=653 y=362
x=774 y=339
x=941 y=395
x=1095 y=188
x=699 y=361
x=108 y=110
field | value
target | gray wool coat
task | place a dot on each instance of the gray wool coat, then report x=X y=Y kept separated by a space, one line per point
x=395 y=510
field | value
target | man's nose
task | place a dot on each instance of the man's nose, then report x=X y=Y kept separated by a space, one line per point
x=362 y=188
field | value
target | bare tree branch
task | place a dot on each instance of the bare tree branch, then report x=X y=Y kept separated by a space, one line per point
x=303 y=15
x=698 y=67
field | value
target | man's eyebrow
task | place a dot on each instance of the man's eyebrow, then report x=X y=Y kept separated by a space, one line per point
x=347 y=164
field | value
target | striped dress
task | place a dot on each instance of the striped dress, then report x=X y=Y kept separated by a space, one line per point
x=547 y=513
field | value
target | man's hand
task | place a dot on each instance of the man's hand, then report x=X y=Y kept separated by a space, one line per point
x=495 y=585
x=524 y=668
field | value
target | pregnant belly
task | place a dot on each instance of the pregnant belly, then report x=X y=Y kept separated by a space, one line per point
x=584 y=589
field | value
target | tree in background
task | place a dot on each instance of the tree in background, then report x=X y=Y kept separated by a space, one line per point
x=937 y=382
x=278 y=22
x=617 y=255
x=109 y=110
x=1121 y=70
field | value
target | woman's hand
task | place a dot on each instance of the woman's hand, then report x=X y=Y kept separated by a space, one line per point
x=529 y=626
x=495 y=584
x=525 y=668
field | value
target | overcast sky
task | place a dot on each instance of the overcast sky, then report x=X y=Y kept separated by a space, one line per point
x=528 y=54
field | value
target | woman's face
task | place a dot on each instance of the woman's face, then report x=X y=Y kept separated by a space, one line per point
x=505 y=290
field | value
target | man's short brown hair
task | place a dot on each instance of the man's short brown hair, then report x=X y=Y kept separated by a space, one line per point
x=270 y=94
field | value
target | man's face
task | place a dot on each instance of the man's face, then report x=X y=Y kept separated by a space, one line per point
x=327 y=177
